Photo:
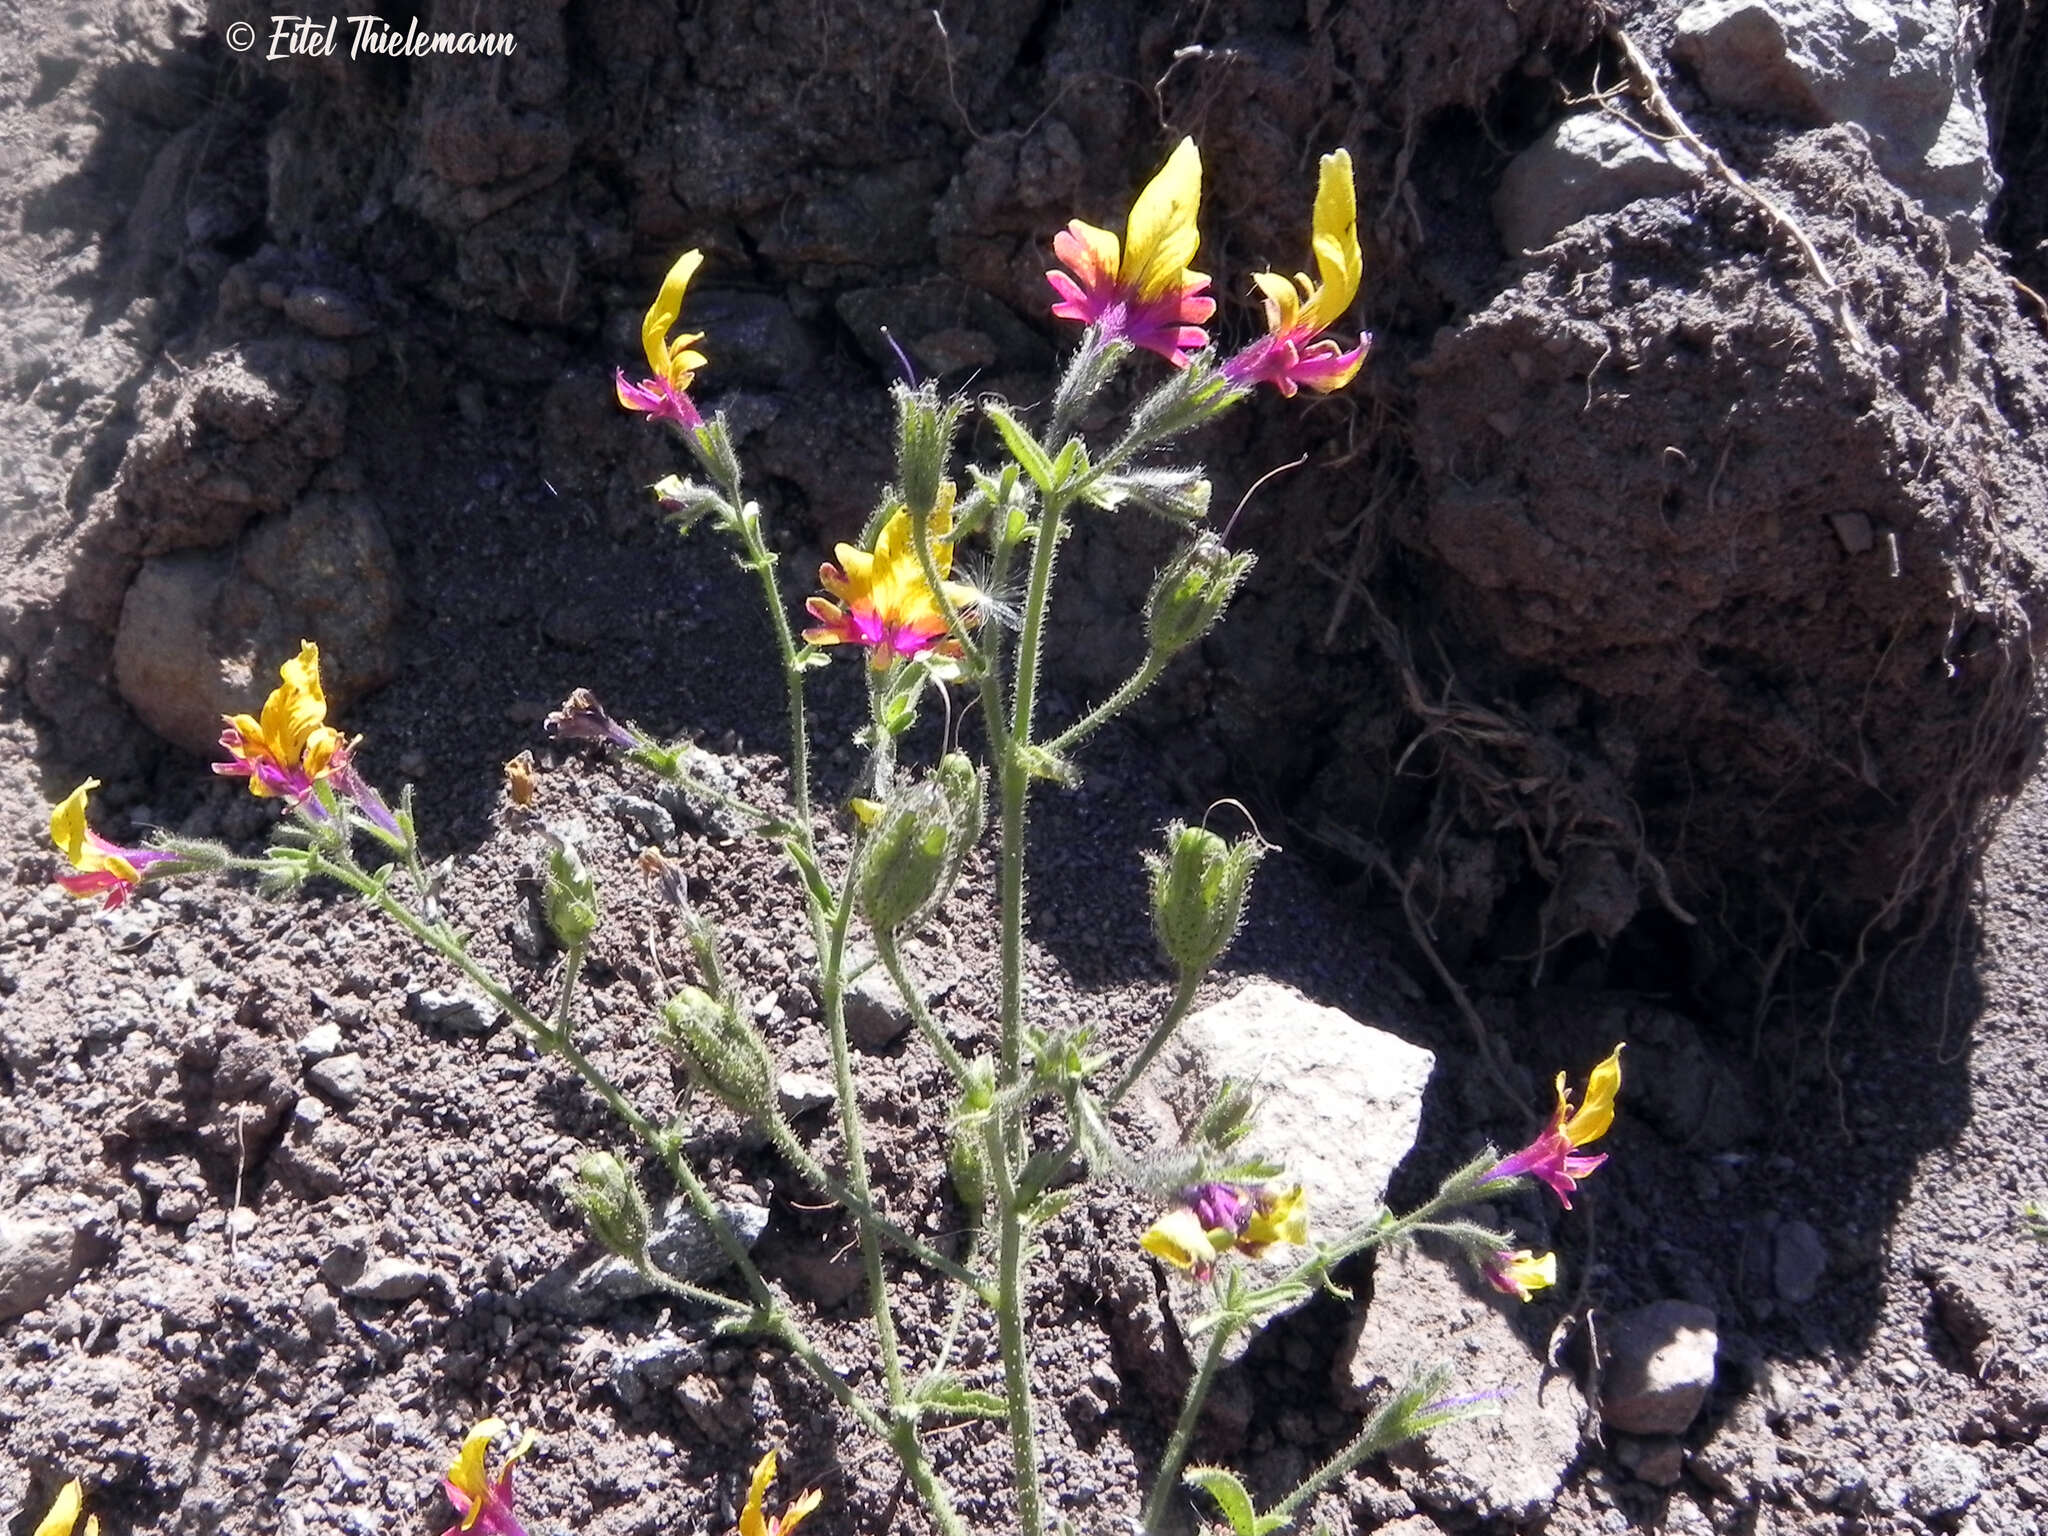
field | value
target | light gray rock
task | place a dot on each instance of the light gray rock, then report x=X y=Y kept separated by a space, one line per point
x=1588 y=163
x=1798 y=1259
x=341 y=1078
x=1905 y=71
x=319 y=1042
x=462 y=1009
x=1428 y=1307
x=801 y=1092
x=876 y=1017
x=654 y=1364
x=1658 y=1460
x=682 y=1247
x=388 y=1279
x=202 y=632
x=1657 y=1366
x=1943 y=1481
x=40 y=1258
x=1338 y=1103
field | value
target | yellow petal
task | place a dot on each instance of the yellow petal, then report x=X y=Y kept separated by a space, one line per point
x=1597 y=1113
x=805 y=1505
x=1100 y=248
x=466 y=1471
x=1282 y=301
x=296 y=709
x=666 y=309
x=1179 y=1238
x=67 y=826
x=1280 y=1219
x=1338 y=260
x=64 y=1513
x=1160 y=237
x=751 y=1521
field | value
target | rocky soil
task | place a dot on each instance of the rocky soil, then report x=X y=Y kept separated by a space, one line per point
x=1645 y=650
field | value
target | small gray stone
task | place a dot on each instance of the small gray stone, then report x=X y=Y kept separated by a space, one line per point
x=1943 y=1481
x=320 y=1041
x=462 y=1009
x=1798 y=1259
x=1657 y=1365
x=1853 y=529
x=682 y=1246
x=387 y=1279
x=327 y=312
x=341 y=1078
x=1591 y=162
x=39 y=1260
x=655 y=824
x=1658 y=1460
x=657 y=1363
x=801 y=1092
x=876 y=1017
x=178 y=1205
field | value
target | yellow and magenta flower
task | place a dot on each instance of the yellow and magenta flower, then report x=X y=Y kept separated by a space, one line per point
x=485 y=1504
x=1549 y=1157
x=1298 y=311
x=673 y=361
x=1215 y=1219
x=101 y=868
x=884 y=601
x=1142 y=291
x=754 y=1523
x=292 y=747
x=1520 y=1273
x=63 y=1516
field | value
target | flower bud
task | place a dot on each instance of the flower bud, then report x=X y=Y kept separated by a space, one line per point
x=582 y=718
x=920 y=840
x=569 y=895
x=1190 y=594
x=610 y=1200
x=1199 y=887
x=722 y=1050
x=686 y=503
x=966 y=1164
x=924 y=441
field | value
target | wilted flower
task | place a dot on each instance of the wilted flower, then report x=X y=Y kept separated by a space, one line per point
x=292 y=747
x=888 y=606
x=1142 y=292
x=1549 y=1157
x=1213 y=1219
x=485 y=1505
x=63 y=1516
x=1298 y=311
x=754 y=1523
x=582 y=718
x=673 y=361
x=103 y=868
x=1520 y=1273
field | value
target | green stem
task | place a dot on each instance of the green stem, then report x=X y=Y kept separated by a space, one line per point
x=920 y=1014
x=956 y=622
x=1375 y=1436
x=1010 y=1321
x=1176 y=1011
x=1183 y=1437
x=1096 y=718
x=815 y=1173
x=572 y=968
x=834 y=1000
x=761 y=561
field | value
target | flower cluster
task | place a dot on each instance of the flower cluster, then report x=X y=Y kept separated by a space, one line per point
x=1214 y=1219
x=1550 y=1159
x=884 y=601
x=291 y=747
x=1146 y=295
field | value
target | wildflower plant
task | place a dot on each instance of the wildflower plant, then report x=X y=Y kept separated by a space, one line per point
x=892 y=599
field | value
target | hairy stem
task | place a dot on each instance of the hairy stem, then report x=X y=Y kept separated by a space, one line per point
x=1096 y=718
x=1023 y=1419
x=913 y=999
x=1183 y=1438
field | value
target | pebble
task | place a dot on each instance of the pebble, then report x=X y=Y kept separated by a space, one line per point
x=39 y=1260
x=391 y=1280
x=1798 y=1260
x=1657 y=1367
x=801 y=1092
x=462 y=1009
x=1943 y=1481
x=320 y=1041
x=341 y=1078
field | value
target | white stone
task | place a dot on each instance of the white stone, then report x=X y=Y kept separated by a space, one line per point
x=1588 y=163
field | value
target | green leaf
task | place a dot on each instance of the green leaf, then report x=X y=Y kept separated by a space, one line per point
x=947 y=1394
x=1231 y=1498
x=1072 y=462
x=1024 y=448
